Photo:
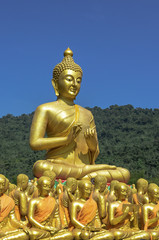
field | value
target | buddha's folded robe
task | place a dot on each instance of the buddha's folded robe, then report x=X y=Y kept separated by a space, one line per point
x=77 y=152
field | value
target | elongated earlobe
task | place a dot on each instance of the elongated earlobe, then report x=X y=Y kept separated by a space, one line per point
x=55 y=85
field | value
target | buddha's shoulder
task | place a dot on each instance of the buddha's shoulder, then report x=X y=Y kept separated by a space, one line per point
x=85 y=111
x=47 y=107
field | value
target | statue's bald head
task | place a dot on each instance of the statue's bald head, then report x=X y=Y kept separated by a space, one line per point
x=142 y=184
x=22 y=181
x=3 y=184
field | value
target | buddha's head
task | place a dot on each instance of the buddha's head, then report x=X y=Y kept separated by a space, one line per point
x=153 y=193
x=67 y=77
x=100 y=183
x=22 y=181
x=44 y=186
x=142 y=185
x=3 y=184
x=71 y=184
x=85 y=189
x=121 y=191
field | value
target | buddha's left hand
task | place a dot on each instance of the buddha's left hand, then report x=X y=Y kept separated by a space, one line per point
x=90 y=136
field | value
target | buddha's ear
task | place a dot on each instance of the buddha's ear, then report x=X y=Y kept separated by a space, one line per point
x=55 y=85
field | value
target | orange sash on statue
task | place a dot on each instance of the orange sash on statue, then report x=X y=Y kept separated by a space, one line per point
x=88 y=212
x=119 y=212
x=44 y=209
x=17 y=211
x=135 y=199
x=152 y=215
x=63 y=211
x=6 y=205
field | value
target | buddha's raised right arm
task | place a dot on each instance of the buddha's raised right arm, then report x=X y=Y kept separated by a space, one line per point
x=38 y=129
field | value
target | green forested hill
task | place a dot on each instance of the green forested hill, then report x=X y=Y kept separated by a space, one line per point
x=128 y=137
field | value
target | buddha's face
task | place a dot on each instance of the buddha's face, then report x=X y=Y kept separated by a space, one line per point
x=45 y=187
x=2 y=186
x=122 y=192
x=69 y=84
x=86 y=190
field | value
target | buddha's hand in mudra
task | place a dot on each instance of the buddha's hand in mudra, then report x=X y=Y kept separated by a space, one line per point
x=74 y=132
x=90 y=136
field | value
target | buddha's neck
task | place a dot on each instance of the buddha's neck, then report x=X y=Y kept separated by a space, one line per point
x=66 y=101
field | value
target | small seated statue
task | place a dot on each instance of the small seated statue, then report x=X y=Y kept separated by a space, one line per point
x=10 y=227
x=71 y=142
x=140 y=197
x=123 y=216
x=66 y=197
x=20 y=197
x=99 y=196
x=151 y=212
x=111 y=196
x=85 y=216
x=43 y=214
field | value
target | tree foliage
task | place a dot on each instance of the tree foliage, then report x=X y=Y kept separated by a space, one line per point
x=128 y=137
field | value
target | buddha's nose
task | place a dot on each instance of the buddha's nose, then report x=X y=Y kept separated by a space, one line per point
x=75 y=82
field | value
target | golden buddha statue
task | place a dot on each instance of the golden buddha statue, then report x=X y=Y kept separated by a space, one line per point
x=84 y=216
x=123 y=216
x=71 y=142
x=151 y=212
x=20 y=197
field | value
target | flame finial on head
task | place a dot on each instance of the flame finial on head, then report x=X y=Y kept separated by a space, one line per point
x=68 y=52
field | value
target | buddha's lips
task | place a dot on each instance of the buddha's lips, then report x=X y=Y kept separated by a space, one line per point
x=73 y=89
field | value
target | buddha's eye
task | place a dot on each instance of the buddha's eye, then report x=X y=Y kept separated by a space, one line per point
x=78 y=80
x=69 y=78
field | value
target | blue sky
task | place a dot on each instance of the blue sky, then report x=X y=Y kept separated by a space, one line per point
x=116 y=42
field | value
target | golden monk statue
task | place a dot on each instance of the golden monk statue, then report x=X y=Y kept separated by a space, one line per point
x=123 y=216
x=151 y=212
x=43 y=214
x=84 y=216
x=66 y=197
x=99 y=195
x=10 y=227
x=20 y=198
x=140 y=197
x=71 y=142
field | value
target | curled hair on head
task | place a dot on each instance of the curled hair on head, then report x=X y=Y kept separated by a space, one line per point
x=67 y=63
